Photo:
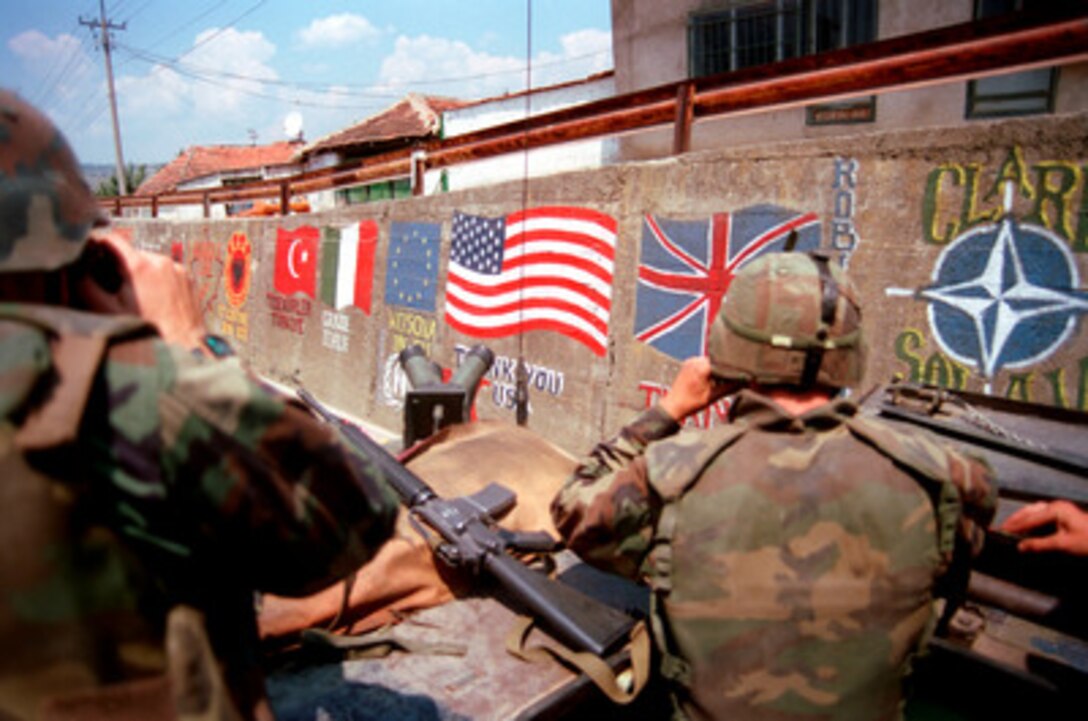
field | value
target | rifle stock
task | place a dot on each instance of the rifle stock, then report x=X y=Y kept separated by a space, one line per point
x=471 y=540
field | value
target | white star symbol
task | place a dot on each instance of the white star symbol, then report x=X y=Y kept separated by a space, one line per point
x=1002 y=297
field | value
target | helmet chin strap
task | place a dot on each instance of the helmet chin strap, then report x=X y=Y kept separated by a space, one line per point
x=829 y=296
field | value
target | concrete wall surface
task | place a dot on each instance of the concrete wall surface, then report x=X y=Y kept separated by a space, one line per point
x=969 y=246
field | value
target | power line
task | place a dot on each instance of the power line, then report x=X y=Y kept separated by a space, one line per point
x=192 y=70
x=116 y=9
x=62 y=61
x=222 y=30
x=197 y=18
x=135 y=12
x=210 y=79
x=334 y=88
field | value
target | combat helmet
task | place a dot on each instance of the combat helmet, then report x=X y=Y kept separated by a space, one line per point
x=46 y=207
x=789 y=319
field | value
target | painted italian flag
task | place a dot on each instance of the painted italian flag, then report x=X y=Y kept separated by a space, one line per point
x=347 y=265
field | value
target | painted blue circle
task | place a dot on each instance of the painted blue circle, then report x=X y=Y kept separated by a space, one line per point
x=1031 y=264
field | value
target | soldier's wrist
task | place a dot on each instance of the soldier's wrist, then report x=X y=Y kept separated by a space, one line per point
x=653 y=424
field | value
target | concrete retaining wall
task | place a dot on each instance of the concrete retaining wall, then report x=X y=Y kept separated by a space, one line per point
x=952 y=294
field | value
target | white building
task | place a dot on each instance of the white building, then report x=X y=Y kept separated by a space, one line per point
x=491 y=112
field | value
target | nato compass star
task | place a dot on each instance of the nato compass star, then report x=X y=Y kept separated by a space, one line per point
x=1003 y=296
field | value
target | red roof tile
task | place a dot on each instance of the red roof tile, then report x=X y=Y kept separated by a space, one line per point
x=201 y=160
x=416 y=116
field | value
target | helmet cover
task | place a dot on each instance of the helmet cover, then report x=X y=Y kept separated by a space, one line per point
x=789 y=319
x=46 y=206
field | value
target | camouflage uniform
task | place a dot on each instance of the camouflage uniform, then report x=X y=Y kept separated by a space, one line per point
x=138 y=476
x=792 y=559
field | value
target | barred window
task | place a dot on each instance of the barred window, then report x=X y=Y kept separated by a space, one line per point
x=758 y=32
x=1027 y=93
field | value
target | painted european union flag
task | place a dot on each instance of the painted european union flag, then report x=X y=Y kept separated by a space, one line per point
x=411 y=268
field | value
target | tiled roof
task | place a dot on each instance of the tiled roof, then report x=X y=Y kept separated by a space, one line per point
x=201 y=160
x=416 y=116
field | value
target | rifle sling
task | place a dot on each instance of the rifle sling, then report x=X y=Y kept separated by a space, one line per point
x=621 y=688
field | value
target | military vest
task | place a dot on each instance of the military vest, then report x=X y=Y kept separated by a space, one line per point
x=790 y=583
x=69 y=615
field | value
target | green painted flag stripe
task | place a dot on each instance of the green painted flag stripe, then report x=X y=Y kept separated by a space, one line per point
x=330 y=257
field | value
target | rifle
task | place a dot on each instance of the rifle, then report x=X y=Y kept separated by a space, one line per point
x=471 y=540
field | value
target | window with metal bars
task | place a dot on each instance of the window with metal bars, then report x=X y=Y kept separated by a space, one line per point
x=751 y=33
x=1026 y=93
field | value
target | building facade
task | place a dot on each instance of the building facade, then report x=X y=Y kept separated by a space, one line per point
x=655 y=43
x=582 y=155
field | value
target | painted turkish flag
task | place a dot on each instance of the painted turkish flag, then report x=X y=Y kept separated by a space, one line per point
x=296 y=260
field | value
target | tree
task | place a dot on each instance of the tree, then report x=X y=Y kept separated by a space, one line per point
x=134 y=177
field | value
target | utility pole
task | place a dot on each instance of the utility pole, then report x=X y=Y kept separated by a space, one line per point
x=104 y=27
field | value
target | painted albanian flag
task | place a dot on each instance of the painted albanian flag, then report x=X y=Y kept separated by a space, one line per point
x=296 y=260
x=237 y=269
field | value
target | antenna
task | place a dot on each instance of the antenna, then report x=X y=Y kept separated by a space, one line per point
x=521 y=392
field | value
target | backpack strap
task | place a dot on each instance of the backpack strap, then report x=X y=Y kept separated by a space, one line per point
x=673 y=465
x=929 y=465
x=621 y=686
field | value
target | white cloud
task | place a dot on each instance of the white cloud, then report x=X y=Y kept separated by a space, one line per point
x=61 y=77
x=58 y=67
x=338 y=30
x=219 y=90
x=592 y=45
x=220 y=78
x=450 y=67
x=213 y=95
x=34 y=46
x=584 y=53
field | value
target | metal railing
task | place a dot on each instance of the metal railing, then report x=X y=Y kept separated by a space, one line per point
x=1054 y=35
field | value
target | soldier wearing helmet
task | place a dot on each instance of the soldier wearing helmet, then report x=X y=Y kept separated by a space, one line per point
x=792 y=554
x=147 y=489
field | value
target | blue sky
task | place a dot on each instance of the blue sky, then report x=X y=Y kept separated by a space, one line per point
x=202 y=72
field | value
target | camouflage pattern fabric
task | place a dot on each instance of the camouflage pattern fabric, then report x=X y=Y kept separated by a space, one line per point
x=786 y=310
x=46 y=206
x=185 y=482
x=792 y=560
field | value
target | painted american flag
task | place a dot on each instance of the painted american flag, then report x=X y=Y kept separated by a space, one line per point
x=685 y=269
x=547 y=268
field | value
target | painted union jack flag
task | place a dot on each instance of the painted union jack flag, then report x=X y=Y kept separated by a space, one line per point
x=685 y=269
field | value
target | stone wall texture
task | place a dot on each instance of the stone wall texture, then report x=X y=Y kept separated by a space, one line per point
x=968 y=245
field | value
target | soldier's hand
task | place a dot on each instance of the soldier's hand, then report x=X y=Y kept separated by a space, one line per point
x=1069 y=521
x=152 y=286
x=694 y=388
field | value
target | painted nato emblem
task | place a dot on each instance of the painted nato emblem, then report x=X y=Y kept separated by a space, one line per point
x=1004 y=295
